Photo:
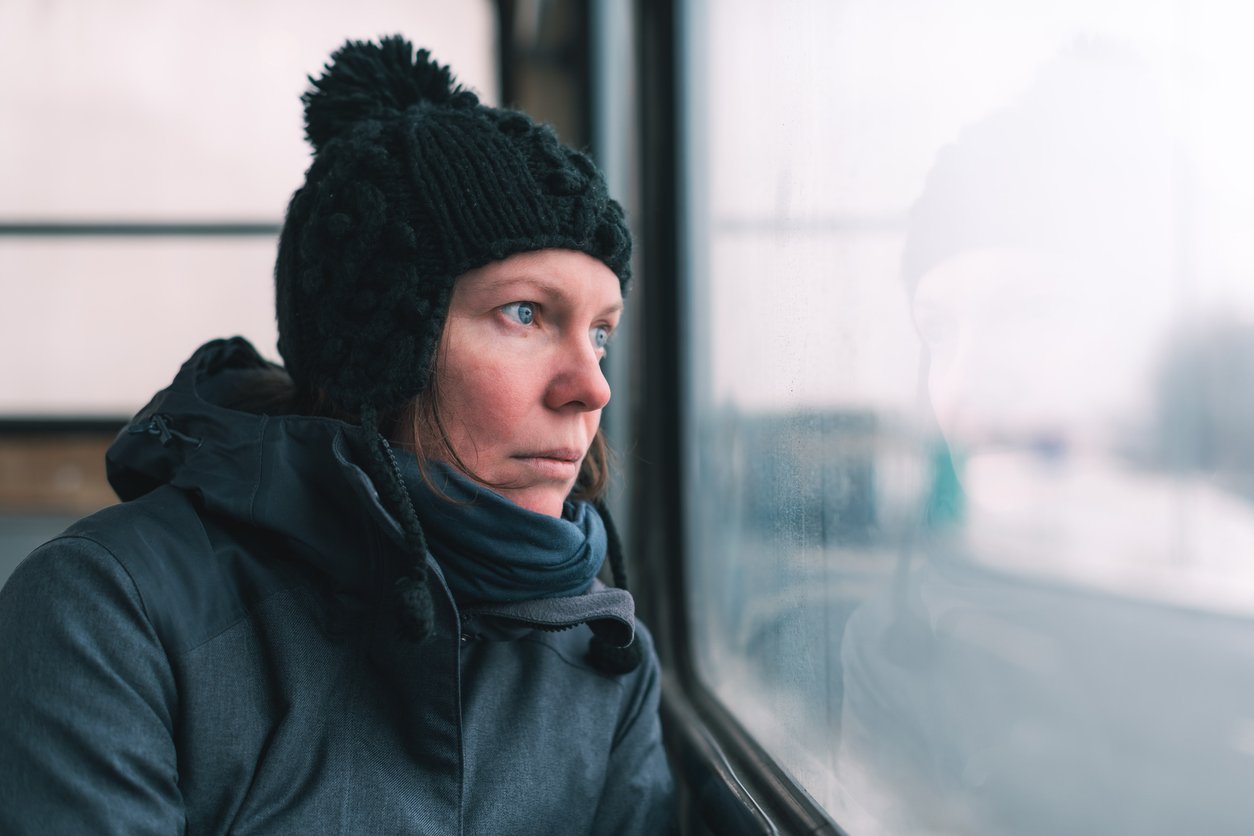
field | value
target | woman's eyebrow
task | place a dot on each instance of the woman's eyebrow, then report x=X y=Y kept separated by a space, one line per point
x=553 y=291
x=550 y=290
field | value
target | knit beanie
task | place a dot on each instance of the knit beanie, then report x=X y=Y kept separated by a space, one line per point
x=413 y=183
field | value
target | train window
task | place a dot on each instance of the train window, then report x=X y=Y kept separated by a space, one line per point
x=969 y=466
x=149 y=152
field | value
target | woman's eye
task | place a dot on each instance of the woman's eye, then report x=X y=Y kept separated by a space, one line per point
x=521 y=312
x=600 y=336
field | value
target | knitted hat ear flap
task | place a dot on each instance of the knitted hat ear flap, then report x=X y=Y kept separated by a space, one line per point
x=602 y=655
x=417 y=612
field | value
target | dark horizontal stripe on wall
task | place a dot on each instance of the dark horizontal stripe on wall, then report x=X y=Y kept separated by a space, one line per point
x=90 y=229
x=62 y=425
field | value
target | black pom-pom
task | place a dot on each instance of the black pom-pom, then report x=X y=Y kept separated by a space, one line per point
x=365 y=80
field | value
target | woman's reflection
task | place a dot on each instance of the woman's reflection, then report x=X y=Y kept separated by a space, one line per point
x=1026 y=678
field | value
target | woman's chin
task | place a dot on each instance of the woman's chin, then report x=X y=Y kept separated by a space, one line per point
x=545 y=482
x=547 y=500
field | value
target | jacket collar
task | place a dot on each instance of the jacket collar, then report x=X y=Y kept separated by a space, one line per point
x=609 y=612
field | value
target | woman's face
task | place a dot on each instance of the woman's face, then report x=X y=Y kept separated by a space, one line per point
x=518 y=371
x=1029 y=349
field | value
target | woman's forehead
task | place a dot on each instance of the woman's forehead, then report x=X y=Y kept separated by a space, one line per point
x=565 y=276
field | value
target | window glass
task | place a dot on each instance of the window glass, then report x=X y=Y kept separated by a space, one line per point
x=970 y=417
x=148 y=112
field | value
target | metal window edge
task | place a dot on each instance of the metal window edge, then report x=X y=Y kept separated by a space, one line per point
x=725 y=805
x=771 y=791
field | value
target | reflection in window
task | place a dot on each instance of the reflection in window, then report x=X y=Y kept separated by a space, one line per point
x=970 y=526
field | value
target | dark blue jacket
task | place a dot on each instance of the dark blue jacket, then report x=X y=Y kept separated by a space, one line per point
x=218 y=655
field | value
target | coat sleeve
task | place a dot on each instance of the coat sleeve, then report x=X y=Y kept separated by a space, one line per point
x=639 y=795
x=87 y=700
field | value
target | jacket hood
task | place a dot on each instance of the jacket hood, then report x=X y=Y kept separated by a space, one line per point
x=292 y=477
x=293 y=480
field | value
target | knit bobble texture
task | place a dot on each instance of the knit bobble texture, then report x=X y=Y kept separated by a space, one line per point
x=413 y=183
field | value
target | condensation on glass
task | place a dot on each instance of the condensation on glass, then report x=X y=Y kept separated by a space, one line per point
x=971 y=406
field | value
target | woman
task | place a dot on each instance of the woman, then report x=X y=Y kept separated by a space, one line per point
x=289 y=625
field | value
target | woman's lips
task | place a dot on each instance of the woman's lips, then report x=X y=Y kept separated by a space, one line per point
x=562 y=464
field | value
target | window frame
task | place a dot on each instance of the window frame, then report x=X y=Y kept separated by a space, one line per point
x=730 y=784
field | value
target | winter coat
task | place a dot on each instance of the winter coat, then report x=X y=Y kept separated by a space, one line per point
x=218 y=654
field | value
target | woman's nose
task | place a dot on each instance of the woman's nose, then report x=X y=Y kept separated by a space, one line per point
x=578 y=380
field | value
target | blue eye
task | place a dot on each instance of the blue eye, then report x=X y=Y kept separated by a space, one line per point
x=600 y=336
x=522 y=312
